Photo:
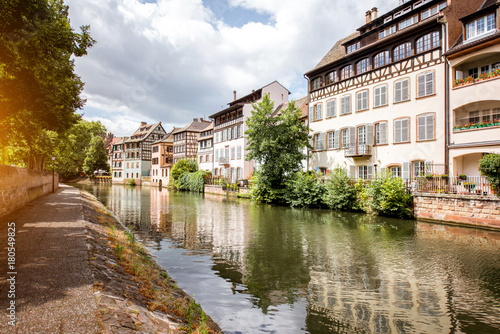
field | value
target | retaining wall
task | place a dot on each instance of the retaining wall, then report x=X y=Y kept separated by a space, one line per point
x=211 y=189
x=462 y=209
x=19 y=186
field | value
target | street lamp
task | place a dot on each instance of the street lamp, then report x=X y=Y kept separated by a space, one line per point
x=53 y=178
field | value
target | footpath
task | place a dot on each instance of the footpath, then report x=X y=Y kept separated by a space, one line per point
x=74 y=270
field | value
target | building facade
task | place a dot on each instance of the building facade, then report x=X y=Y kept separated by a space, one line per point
x=206 y=149
x=377 y=99
x=137 y=151
x=185 y=141
x=229 y=128
x=162 y=160
x=117 y=160
x=474 y=126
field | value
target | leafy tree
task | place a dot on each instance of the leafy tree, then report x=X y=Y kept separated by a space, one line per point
x=304 y=189
x=181 y=167
x=388 y=197
x=340 y=192
x=39 y=90
x=277 y=143
x=97 y=157
x=489 y=166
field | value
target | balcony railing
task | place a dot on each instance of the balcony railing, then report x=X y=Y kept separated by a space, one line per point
x=465 y=185
x=358 y=150
x=223 y=161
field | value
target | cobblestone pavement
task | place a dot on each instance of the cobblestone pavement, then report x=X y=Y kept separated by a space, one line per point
x=53 y=278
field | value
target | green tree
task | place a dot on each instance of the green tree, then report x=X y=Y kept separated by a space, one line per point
x=39 y=90
x=489 y=166
x=181 y=167
x=277 y=143
x=97 y=157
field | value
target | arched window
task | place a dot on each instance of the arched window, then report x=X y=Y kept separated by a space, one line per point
x=428 y=42
x=317 y=83
x=330 y=77
x=402 y=51
x=363 y=66
x=346 y=72
x=381 y=59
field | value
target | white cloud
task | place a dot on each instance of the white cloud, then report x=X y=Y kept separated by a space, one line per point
x=175 y=60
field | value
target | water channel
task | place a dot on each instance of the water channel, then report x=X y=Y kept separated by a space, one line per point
x=266 y=269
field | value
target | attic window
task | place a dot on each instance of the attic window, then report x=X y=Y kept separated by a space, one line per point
x=480 y=27
x=408 y=22
x=388 y=19
x=353 y=47
x=387 y=32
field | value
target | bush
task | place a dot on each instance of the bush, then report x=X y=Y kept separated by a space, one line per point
x=183 y=166
x=387 y=196
x=262 y=191
x=489 y=166
x=339 y=191
x=191 y=181
x=131 y=182
x=304 y=189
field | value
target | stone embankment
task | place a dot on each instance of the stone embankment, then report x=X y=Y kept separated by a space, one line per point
x=134 y=295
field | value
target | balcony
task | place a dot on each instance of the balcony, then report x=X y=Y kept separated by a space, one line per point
x=224 y=161
x=356 y=151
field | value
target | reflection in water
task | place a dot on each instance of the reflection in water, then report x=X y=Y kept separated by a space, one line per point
x=260 y=268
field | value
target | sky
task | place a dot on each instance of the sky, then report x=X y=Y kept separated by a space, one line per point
x=175 y=60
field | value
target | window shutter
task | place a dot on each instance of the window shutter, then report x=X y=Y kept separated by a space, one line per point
x=311 y=113
x=421 y=128
x=397 y=91
x=370 y=172
x=429 y=83
x=383 y=94
x=421 y=85
x=322 y=140
x=336 y=139
x=405 y=130
x=311 y=141
x=397 y=131
x=383 y=133
x=369 y=134
x=405 y=91
x=359 y=101
x=430 y=127
x=352 y=171
x=320 y=111
x=352 y=136
x=406 y=170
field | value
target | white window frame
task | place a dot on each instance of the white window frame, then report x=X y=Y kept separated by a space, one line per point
x=318 y=111
x=330 y=108
x=345 y=105
x=408 y=22
x=402 y=126
x=362 y=100
x=426 y=125
x=425 y=84
x=381 y=133
x=386 y=32
x=473 y=31
x=402 y=92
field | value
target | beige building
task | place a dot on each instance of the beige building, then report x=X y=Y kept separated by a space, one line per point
x=377 y=99
x=162 y=160
x=474 y=59
x=206 y=149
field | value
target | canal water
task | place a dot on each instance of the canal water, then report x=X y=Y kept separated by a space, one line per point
x=266 y=269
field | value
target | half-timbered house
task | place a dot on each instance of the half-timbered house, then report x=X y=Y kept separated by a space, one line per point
x=186 y=139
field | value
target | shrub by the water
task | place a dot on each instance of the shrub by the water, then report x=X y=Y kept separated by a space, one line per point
x=304 y=189
x=340 y=192
x=192 y=181
x=489 y=166
x=262 y=191
x=388 y=197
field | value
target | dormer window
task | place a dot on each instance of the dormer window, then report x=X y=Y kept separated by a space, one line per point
x=353 y=47
x=433 y=10
x=480 y=27
x=408 y=22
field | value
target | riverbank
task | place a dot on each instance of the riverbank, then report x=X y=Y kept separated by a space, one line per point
x=133 y=293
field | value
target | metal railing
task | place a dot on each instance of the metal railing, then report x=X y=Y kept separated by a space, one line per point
x=468 y=185
x=358 y=150
x=223 y=161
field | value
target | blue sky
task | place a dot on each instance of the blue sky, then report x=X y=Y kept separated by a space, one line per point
x=175 y=60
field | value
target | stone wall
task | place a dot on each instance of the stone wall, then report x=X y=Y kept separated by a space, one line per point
x=211 y=189
x=19 y=186
x=462 y=209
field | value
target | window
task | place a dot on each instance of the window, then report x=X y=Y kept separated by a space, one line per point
x=330 y=78
x=422 y=168
x=319 y=141
x=401 y=130
x=233 y=153
x=432 y=11
x=317 y=83
x=345 y=105
x=474 y=72
x=238 y=152
x=345 y=138
x=361 y=135
x=387 y=32
x=333 y=138
x=365 y=172
x=363 y=66
x=330 y=108
x=401 y=90
x=223 y=135
x=402 y=51
x=425 y=84
x=381 y=59
x=318 y=112
x=346 y=72
x=480 y=26
x=201 y=158
x=428 y=42
x=395 y=171
x=380 y=96
x=311 y=113
x=381 y=133
x=425 y=124
x=353 y=47
x=136 y=165
x=408 y=22
x=362 y=100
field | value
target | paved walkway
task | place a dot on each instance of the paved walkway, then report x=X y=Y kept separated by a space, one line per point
x=53 y=280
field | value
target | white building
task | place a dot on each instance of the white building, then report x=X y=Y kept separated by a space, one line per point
x=229 y=129
x=377 y=98
x=206 y=149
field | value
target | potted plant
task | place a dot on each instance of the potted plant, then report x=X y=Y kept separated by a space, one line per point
x=444 y=177
x=469 y=186
x=469 y=80
x=462 y=177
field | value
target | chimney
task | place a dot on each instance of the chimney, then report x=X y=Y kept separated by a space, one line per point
x=234 y=95
x=368 y=16
x=144 y=123
x=374 y=13
x=195 y=119
x=201 y=119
